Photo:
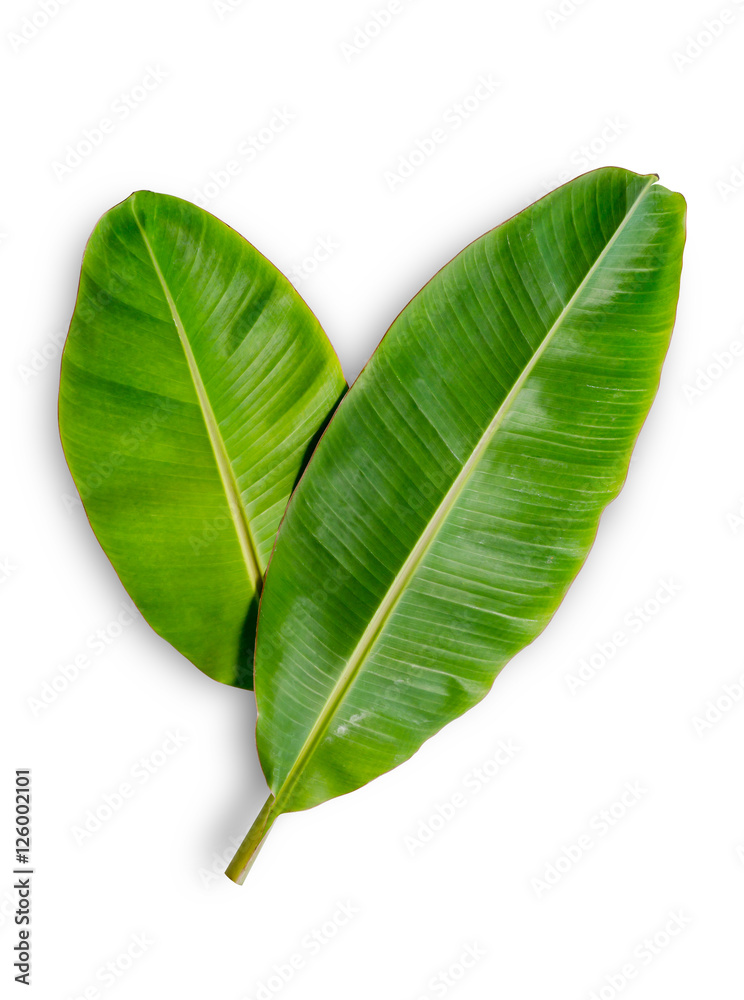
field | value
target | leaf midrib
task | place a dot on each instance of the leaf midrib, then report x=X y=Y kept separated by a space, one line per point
x=418 y=552
x=224 y=465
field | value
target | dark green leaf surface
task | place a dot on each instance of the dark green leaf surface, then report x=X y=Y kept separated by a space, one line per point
x=194 y=381
x=458 y=488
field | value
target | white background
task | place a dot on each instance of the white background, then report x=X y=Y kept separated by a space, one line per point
x=148 y=870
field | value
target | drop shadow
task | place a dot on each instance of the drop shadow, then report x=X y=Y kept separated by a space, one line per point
x=315 y=440
x=246 y=651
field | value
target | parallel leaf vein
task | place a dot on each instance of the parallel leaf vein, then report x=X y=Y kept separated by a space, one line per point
x=224 y=465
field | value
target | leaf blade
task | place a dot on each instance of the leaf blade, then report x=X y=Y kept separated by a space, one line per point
x=194 y=381
x=565 y=265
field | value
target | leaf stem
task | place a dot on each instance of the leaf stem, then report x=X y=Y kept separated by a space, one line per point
x=241 y=864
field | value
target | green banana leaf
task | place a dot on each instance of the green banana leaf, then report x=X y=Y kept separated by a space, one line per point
x=194 y=383
x=458 y=488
